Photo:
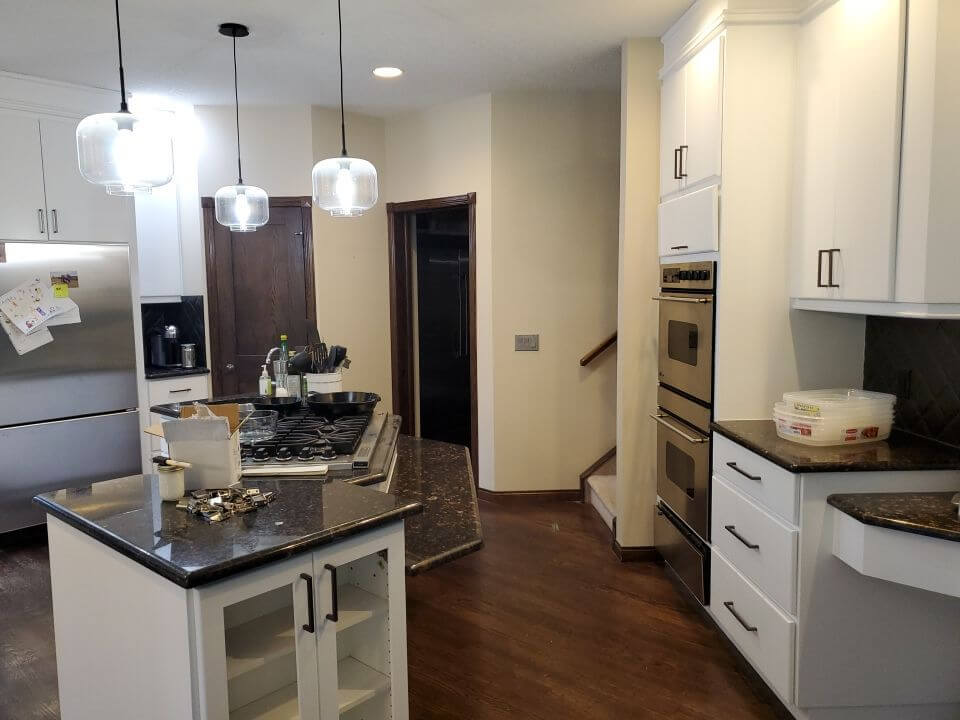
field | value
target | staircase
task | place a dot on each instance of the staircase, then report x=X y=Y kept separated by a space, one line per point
x=600 y=490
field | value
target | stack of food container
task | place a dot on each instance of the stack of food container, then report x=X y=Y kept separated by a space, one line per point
x=834 y=417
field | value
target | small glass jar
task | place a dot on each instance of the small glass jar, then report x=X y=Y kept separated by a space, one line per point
x=171 y=482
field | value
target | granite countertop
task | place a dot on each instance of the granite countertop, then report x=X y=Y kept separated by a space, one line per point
x=902 y=451
x=440 y=477
x=931 y=514
x=127 y=515
x=155 y=373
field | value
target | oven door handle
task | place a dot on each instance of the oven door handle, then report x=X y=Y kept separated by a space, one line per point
x=689 y=438
x=665 y=298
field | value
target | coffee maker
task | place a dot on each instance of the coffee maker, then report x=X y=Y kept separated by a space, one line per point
x=165 y=348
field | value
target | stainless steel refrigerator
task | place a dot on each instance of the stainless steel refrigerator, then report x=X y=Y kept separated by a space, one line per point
x=68 y=409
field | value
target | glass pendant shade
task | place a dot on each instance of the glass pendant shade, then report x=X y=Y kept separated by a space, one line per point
x=125 y=153
x=344 y=186
x=242 y=208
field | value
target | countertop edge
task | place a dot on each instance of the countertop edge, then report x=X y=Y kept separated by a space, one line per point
x=866 y=518
x=170 y=374
x=452 y=554
x=188 y=580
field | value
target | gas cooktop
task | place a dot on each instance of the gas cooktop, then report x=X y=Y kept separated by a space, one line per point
x=306 y=444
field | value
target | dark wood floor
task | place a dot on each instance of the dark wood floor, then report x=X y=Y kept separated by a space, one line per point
x=543 y=623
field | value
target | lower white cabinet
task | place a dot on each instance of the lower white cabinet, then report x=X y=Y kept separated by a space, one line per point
x=319 y=636
x=178 y=389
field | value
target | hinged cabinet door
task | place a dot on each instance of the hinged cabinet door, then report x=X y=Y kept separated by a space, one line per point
x=362 y=644
x=671 y=131
x=257 y=644
x=23 y=207
x=703 y=114
x=79 y=211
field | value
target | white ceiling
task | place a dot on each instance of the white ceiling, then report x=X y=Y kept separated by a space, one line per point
x=448 y=48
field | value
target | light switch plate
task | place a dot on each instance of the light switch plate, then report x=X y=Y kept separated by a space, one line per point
x=526 y=343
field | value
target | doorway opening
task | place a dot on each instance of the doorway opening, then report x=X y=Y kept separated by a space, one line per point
x=433 y=318
x=259 y=285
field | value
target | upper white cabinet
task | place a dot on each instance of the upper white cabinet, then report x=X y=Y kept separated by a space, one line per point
x=78 y=211
x=158 y=243
x=851 y=58
x=691 y=102
x=42 y=194
x=23 y=207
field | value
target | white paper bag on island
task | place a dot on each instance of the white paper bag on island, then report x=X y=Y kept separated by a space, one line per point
x=208 y=439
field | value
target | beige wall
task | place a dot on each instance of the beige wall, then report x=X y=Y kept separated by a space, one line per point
x=637 y=314
x=350 y=254
x=280 y=146
x=445 y=150
x=555 y=197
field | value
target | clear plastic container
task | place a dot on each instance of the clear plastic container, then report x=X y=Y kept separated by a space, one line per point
x=259 y=425
x=853 y=429
x=840 y=402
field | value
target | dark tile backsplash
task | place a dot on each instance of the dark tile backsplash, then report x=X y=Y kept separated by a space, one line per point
x=919 y=361
x=187 y=315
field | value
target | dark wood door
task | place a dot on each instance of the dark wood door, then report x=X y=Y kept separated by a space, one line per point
x=260 y=284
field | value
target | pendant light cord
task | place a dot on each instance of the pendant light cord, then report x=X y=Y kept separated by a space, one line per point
x=236 y=99
x=123 y=84
x=343 y=125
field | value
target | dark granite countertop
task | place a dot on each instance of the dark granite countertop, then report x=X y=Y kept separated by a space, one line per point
x=902 y=451
x=438 y=475
x=931 y=514
x=127 y=515
x=155 y=373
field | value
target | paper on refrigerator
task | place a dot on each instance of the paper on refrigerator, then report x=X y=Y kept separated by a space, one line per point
x=22 y=342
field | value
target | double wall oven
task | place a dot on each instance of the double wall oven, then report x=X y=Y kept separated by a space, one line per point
x=684 y=411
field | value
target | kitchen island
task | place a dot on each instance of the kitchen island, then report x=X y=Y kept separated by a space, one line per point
x=294 y=610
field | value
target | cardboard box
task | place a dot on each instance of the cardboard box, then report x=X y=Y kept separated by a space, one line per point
x=209 y=440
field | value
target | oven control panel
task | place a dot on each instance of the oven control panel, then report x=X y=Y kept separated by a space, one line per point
x=688 y=276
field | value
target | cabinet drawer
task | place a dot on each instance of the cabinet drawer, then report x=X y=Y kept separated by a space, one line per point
x=690 y=223
x=773 y=487
x=764 y=634
x=760 y=546
x=170 y=390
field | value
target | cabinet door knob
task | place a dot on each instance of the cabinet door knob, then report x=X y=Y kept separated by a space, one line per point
x=229 y=367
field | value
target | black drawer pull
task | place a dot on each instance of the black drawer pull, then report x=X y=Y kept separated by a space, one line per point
x=732 y=529
x=180 y=390
x=749 y=628
x=733 y=466
x=334 y=615
x=309 y=627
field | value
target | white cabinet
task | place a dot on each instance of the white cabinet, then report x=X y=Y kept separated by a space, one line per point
x=691 y=100
x=178 y=389
x=317 y=637
x=690 y=223
x=23 y=206
x=42 y=194
x=78 y=211
x=158 y=243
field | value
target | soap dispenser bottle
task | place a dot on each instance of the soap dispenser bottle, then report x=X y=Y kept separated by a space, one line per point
x=264 y=386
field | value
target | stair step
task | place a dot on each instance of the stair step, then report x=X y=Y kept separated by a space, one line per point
x=602 y=494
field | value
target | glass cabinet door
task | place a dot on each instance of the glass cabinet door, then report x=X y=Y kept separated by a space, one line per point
x=357 y=633
x=263 y=624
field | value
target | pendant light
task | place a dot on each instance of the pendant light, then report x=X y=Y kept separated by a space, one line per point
x=242 y=208
x=344 y=186
x=122 y=151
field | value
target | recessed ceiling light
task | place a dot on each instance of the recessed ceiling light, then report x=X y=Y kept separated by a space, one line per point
x=387 y=72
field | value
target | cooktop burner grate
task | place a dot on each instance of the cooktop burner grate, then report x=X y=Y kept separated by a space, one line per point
x=307 y=437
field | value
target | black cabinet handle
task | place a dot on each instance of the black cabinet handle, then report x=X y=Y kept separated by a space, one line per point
x=334 y=599
x=679 y=247
x=180 y=390
x=732 y=529
x=309 y=627
x=829 y=283
x=746 y=626
x=733 y=466
x=683 y=172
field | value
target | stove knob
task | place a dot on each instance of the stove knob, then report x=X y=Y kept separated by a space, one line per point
x=308 y=452
x=684 y=274
x=327 y=453
x=261 y=454
x=284 y=453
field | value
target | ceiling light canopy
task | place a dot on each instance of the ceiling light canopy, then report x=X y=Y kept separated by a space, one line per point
x=387 y=72
x=242 y=208
x=344 y=186
x=122 y=151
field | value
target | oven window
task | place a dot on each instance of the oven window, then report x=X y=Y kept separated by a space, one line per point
x=682 y=341
x=680 y=469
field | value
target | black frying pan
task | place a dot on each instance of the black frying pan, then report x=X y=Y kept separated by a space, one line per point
x=338 y=404
x=283 y=405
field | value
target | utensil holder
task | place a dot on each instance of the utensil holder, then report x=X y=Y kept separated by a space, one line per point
x=325 y=382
